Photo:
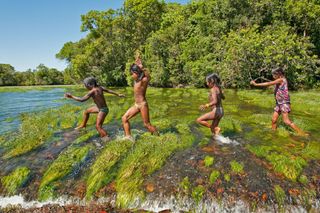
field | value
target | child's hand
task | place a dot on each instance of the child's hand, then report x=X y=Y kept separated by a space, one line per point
x=67 y=95
x=121 y=95
x=253 y=83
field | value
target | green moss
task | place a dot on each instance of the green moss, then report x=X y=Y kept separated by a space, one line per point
x=15 y=180
x=236 y=167
x=62 y=166
x=279 y=194
x=197 y=193
x=106 y=165
x=208 y=161
x=85 y=137
x=214 y=176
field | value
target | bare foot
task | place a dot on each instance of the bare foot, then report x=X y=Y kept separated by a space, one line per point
x=217 y=130
x=80 y=127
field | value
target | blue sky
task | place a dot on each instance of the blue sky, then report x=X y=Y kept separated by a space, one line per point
x=33 y=31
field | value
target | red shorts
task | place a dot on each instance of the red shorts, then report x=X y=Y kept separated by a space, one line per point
x=282 y=108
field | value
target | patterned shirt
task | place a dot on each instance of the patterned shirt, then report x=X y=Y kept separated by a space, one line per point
x=281 y=92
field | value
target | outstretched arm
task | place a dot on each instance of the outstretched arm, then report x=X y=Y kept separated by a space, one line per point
x=265 y=84
x=84 y=98
x=112 y=92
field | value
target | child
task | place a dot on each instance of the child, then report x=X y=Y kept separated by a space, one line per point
x=96 y=92
x=215 y=103
x=282 y=97
x=141 y=80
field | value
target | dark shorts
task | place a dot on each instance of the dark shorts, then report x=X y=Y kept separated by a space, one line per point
x=104 y=109
x=282 y=108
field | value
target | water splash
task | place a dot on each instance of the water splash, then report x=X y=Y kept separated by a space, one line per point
x=225 y=140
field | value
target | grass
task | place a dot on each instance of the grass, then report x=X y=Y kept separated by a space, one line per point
x=61 y=167
x=280 y=195
x=106 y=166
x=15 y=180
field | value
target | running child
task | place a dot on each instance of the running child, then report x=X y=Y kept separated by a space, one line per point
x=282 y=98
x=215 y=105
x=141 y=79
x=96 y=93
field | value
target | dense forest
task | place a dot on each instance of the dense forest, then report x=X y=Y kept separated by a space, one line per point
x=180 y=44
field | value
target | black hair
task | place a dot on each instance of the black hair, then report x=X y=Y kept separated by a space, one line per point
x=90 y=82
x=134 y=68
x=277 y=71
x=213 y=78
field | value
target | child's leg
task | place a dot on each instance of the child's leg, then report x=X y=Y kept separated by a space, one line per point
x=132 y=111
x=214 y=127
x=286 y=120
x=86 y=115
x=146 y=119
x=100 y=119
x=203 y=119
x=275 y=117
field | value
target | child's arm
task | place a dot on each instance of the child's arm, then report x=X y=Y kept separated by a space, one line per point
x=84 y=98
x=265 y=84
x=112 y=92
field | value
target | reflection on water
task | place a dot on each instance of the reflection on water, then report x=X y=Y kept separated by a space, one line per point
x=14 y=103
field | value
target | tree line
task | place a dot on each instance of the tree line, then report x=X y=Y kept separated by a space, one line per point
x=42 y=75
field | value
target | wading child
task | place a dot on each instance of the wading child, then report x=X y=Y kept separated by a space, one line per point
x=96 y=92
x=141 y=79
x=282 y=98
x=215 y=104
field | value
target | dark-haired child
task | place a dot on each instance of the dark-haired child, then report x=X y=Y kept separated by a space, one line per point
x=96 y=93
x=141 y=79
x=215 y=104
x=282 y=98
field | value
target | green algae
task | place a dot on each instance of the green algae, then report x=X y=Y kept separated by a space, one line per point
x=214 y=176
x=303 y=179
x=227 y=177
x=236 y=167
x=208 y=161
x=106 y=166
x=15 y=180
x=185 y=185
x=61 y=167
x=197 y=193
x=279 y=194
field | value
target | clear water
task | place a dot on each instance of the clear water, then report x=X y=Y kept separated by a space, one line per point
x=12 y=104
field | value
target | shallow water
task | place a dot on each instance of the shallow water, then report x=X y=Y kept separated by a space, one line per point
x=12 y=104
x=245 y=130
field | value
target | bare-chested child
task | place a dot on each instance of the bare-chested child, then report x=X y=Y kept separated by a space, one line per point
x=215 y=104
x=141 y=79
x=96 y=92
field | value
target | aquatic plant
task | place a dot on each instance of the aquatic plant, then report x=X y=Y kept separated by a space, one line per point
x=62 y=166
x=208 y=161
x=279 y=194
x=85 y=137
x=15 y=180
x=149 y=154
x=303 y=179
x=236 y=167
x=106 y=165
x=214 y=176
x=197 y=193
x=185 y=185
x=227 y=177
